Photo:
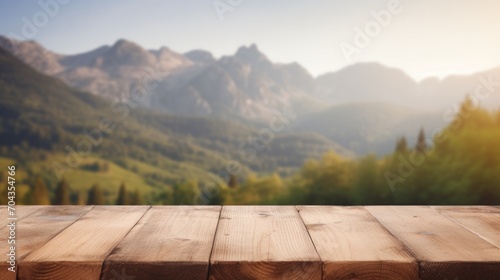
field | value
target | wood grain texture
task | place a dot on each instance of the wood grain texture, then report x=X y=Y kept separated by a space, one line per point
x=483 y=221
x=255 y=242
x=444 y=249
x=79 y=251
x=26 y=211
x=35 y=230
x=263 y=242
x=353 y=245
x=21 y=213
x=169 y=242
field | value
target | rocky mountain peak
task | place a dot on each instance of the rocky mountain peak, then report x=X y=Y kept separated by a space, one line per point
x=200 y=56
x=8 y=44
x=250 y=54
x=124 y=53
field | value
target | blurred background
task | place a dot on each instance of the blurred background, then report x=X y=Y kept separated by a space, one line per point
x=250 y=102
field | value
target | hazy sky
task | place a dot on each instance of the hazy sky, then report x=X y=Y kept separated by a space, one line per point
x=423 y=38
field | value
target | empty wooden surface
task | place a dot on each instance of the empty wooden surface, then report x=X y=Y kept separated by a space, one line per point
x=353 y=245
x=37 y=229
x=169 y=242
x=254 y=242
x=445 y=249
x=483 y=221
x=263 y=242
x=20 y=211
x=81 y=248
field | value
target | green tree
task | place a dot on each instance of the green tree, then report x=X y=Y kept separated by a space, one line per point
x=95 y=196
x=185 y=192
x=402 y=145
x=233 y=182
x=80 y=198
x=257 y=190
x=466 y=108
x=3 y=190
x=123 y=196
x=421 y=143
x=38 y=195
x=369 y=185
x=327 y=181
x=136 y=198
x=62 y=196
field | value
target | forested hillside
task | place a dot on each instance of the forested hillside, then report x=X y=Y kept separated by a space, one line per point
x=44 y=122
x=460 y=165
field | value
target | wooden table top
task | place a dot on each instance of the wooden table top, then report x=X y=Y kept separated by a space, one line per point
x=253 y=242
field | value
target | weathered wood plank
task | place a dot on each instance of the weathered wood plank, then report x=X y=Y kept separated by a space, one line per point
x=35 y=230
x=444 y=249
x=26 y=211
x=80 y=249
x=483 y=221
x=169 y=242
x=353 y=245
x=263 y=242
x=20 y=211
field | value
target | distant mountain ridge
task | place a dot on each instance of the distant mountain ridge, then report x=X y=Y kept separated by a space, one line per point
x=108 y=71
x=249 y=88
x=248 y=83
x=246 y=86
x=366 y=82
x=374 y=82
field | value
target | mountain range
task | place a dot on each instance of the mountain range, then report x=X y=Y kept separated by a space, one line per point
x=363 y=107
x=373 y=82
x=246 y=86
x=45 y=126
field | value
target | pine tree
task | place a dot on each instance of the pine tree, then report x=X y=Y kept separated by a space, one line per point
x=3 y=190
x=95 y=196
x=467 y=107
x=462 y=118
x=421 y=144
x=402 y=145
x=62 y=194
x=80 y=198
x=122 y=196
x=233 y=182
x=136 y=198
x=38 y=195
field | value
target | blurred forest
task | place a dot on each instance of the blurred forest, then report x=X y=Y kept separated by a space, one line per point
x=460 y=165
